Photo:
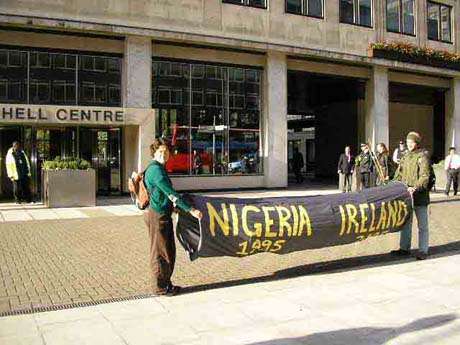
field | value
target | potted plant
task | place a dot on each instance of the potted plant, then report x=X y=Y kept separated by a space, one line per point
x=68 y=182
x=406 y=52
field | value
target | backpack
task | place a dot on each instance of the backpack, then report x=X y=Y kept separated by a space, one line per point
x=138 y=190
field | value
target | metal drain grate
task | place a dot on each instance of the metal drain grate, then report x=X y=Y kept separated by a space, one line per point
x=71 y=305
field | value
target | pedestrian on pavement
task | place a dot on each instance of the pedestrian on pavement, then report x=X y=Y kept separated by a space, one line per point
x=365 y=167
x=399 y=152
x=382 y=158
x=18 y=171
x=158 y=219
x=345 y=169
x=414 y=171
x=452 y=167
x=297 y=165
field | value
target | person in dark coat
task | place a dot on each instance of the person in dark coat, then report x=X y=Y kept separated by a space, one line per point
x=345 y=169
x=365 y=167
x=297 y=165
x=382 y=158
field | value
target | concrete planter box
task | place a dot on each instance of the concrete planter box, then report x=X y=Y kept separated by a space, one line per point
x=69 y=188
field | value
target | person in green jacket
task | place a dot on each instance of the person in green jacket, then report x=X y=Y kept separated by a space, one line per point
x=414 y=171
x=158 y=219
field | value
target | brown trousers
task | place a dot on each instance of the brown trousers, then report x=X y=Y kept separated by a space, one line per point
x=162 y=249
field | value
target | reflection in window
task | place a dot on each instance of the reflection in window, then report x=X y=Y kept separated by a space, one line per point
x=439 y=22
x=357 y=12
x=218 y=132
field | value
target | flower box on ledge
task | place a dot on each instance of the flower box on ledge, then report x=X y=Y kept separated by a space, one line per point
x=416 y=58
x=68 y=183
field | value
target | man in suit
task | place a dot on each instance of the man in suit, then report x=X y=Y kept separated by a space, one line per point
x=365 y=167
x=345 y=169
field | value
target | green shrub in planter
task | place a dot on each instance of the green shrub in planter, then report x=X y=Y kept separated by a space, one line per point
x=67 y=163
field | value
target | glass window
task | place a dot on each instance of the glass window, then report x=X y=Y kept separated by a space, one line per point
x=4 y=89
x=400 y=16
x=40 y=91
x=3 y=58
x=13 y=76
x=16 y=59
x=315 y=8
x=312 y=8
x=63 y=92
x=408 y=19
x=40 y=60
x=294 y=6
x=393 y=15
x=357 y=12
x=251 y=3
x=219 y=132
x=445 y=24
x=439 y=22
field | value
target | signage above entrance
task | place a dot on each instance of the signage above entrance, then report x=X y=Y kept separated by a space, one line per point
x=46 y=114
x=20 y=113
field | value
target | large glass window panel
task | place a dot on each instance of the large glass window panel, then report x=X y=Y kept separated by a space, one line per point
x=445 y=24
x=365 y=12
x=408 y=19
x=433 y=21
x=13 y=76
x=315 y=8
x=99 y=80
x=217 y=122
x=40 y=92
x=393 y=15
x=294 y=6
x=347 y=11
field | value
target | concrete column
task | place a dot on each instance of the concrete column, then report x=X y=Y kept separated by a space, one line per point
x=275 y=121
x=453 y=115
x=137 y=93
x=377 y=107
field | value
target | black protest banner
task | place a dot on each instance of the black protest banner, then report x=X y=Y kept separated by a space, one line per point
x=242 y=227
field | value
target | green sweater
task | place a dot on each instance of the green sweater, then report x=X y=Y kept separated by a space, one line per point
x=161 y=190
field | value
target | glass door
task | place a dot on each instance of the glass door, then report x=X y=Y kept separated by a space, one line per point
x=101 y=147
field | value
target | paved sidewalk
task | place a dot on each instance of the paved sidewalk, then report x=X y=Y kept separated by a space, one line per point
x=410 y=303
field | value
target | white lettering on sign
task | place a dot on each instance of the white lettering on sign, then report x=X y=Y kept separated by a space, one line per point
x=62 y=114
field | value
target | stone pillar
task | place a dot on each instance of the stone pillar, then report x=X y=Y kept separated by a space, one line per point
x=453 y=115
x=137 y=93
x=275 y=121
x=377 y=107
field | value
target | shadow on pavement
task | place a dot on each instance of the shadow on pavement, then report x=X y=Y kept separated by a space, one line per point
x=333 y=266
x=365 y=335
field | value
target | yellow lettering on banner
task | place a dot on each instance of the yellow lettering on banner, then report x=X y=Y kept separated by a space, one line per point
x=383 y=217
x=244 y=222
x=234 y=220
x=352 y=213
x=342 y=216
x=392 y=214
x=284 y=215
x=402 y=214
x=268 y=221
x=295 y=216
x=304 y=221
x=372 y=226
x=362 y=210
x=214 y=217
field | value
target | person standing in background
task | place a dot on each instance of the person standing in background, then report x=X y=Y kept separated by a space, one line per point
x=452 y=167
x=345 y=169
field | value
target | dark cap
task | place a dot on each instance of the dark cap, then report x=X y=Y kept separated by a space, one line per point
x=452 y=148
x=401 y=142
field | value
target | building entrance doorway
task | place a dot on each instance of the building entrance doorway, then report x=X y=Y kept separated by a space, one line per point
x=324 y=115
x=101 y=147
x=7 y=136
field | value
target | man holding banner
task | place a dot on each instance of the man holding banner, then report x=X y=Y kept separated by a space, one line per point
x=414 y=171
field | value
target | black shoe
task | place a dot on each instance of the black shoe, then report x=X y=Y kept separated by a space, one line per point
x=400 y=252
x=422 y=256
x=173 y=290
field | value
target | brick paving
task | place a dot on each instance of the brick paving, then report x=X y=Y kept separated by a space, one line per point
x=67 y=261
